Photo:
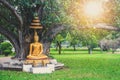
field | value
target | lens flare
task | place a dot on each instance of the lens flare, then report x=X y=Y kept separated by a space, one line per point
x=93 y=9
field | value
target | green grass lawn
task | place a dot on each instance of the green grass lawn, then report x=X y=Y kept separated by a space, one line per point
x=77 y=67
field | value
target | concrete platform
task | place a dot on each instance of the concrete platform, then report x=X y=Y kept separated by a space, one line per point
x=6 y=63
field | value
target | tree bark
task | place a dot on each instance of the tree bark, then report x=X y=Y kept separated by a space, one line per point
x=46 y=47
x=74 y=47
x=22 y=42
x=59 y=47
x=56 y=47
x=90 y=50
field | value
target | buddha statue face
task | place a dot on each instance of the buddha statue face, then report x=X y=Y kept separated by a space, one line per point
x=36 y=38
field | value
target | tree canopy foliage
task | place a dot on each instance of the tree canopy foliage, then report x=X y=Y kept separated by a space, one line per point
x=55 y=16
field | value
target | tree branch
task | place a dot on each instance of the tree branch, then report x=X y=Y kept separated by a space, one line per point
x=100 y=26
x=11 y=37
x=12 y=9
x=53 y=31
x=7 y=20
x=107 y=27
x=40 y=11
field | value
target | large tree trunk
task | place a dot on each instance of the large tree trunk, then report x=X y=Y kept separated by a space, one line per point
x=21 y=41
x=46 y=48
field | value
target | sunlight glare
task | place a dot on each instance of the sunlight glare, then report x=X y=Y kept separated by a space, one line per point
x=93 y=9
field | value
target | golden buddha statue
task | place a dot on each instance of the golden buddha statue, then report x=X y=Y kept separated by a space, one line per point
x=36 y=49
x=36 y=52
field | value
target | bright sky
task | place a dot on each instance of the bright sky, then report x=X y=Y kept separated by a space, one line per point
x=93 y=8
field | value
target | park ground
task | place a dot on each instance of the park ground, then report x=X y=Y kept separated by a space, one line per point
x=79 y=65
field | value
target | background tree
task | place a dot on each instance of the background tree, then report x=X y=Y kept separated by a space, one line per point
x=2 y=38
x=112 y=41
x=59 y=39
x=91 y=38
x=73 y=38
x=6 y=48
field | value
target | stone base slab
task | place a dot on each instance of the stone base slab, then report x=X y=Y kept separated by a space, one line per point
x=27 y=68
x=41 y=70
x=51 y=66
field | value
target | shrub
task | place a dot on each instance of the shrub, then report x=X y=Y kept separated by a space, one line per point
x=6 y=48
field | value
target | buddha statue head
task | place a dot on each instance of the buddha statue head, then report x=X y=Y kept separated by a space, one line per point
x=36 y=37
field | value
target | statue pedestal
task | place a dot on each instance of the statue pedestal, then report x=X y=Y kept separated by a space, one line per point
x=38 y=68
x=35 y=62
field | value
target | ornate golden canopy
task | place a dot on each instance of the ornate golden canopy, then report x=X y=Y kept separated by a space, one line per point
x=36 y=23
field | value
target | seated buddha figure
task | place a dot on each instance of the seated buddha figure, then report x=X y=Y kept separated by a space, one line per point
x=36 y=49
